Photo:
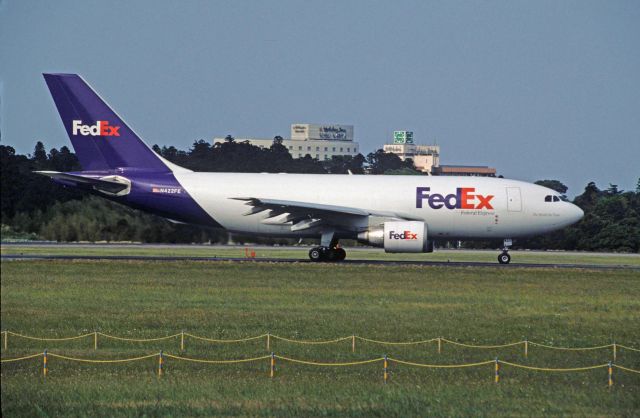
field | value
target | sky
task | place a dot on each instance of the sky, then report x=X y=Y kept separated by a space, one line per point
x=538 y=89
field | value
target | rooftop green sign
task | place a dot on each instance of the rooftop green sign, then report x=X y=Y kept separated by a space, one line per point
x=402 y=137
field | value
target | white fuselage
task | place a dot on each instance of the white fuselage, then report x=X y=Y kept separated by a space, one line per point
x=511 y=208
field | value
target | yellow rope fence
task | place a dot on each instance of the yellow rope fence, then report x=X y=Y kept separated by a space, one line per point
x=195 y=360
x=316 y=363
x=84 y=360
x=272 y=362
x=269 y=337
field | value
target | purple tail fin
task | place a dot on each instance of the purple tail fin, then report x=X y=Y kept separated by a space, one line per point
x=101 y=139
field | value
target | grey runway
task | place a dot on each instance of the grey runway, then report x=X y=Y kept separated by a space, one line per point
x=26 y=257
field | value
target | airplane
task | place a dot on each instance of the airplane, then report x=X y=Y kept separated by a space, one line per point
x=402 y=214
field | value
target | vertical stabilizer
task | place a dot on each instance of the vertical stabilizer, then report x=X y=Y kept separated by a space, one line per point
x=100 y=138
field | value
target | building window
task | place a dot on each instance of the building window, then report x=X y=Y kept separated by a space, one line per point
x=299 y=148
x=299 y=155
x=348 y=149
x=308 y=148
x=317 y=148
x=326 y=149
x=317 y=156
x=290 y=147
x=340 y=149
x=334 y=149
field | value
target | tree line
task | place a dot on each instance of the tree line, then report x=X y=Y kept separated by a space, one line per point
x=33 y=207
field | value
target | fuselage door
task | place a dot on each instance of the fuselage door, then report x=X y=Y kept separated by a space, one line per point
x=514 y=200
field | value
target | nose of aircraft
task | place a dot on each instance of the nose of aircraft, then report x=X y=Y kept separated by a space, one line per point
x=574 y=213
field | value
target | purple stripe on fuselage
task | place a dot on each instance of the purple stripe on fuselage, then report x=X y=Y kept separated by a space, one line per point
x=158 y=193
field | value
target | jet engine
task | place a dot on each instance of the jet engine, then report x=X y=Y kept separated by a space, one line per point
x=398 y=237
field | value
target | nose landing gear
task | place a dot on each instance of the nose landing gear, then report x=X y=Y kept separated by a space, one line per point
x=504 y=257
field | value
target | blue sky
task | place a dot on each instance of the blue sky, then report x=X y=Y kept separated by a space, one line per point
x=538 y=89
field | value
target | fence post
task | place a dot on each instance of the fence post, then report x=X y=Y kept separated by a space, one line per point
x=6 y=335
x=268 y=341
x=182 y=341
x=610 y=366
x=160 y=363
x=614 y=351
x=44 y=363
x=272 y=371
x=526 y=348
x=439 y=345
x=353 y=343
x=497 y=370
x=385 y=369
x=95 y=340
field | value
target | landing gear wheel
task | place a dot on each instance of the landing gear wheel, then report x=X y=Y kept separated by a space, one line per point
x=315 y=254
x=327 y=254
x=504 y=258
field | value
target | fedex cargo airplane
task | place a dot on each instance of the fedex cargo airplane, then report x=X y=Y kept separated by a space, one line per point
x=398 y=213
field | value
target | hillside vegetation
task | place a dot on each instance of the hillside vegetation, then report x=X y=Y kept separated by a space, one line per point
x=33 y=207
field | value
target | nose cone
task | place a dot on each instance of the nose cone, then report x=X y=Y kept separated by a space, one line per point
x=574 y=214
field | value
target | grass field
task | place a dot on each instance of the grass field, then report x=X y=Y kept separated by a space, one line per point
x=569 y=307
x=360 y=253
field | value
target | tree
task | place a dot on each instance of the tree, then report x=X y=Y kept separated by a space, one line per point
x=589 y=197
x=379 y=162
x=343 y=164
x=277 y=148
x=39 y=155
x=553 y=185
x=63 y=160
x=613 y=189
x=405 y=171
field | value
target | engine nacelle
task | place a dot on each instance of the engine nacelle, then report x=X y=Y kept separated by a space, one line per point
x=399 y=237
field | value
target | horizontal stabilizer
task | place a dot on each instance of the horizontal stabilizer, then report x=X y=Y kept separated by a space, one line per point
x=113 y=185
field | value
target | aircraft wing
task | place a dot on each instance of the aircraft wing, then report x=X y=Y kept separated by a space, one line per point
x=304 y=215
x=103 y=185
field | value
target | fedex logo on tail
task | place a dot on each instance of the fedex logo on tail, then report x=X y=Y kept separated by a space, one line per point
x=101 y=128
x=464 y=198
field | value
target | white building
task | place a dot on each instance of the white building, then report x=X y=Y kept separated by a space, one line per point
x=319 y=141
x=425 y=157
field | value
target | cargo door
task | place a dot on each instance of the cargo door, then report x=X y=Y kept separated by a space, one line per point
x=514 y=200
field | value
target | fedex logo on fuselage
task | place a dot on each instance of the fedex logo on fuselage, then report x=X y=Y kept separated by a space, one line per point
x=101 y=128
x=402 y=235
x=464 y=198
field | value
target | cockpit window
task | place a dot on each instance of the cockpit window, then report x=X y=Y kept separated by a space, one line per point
x=556 y=199
x=547 y=198
x=553 y=198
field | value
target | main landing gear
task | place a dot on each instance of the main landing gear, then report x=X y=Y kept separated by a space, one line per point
x=327 y=254
x=328 y=249
x=504 y=257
